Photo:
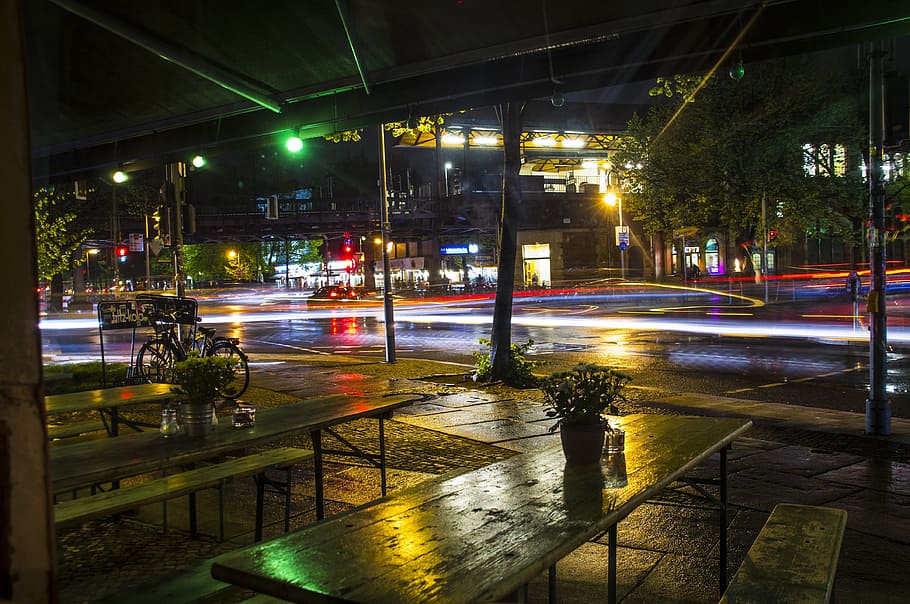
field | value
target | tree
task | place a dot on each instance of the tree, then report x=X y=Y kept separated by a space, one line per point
x=715 y=150
x=510 y=115
x=57 y=238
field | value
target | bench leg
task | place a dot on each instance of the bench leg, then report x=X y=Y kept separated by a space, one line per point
x=221 y=511
x=723 y=520
x=287 y=500
x=260 y=496
x=192 y=503
x=316 y=436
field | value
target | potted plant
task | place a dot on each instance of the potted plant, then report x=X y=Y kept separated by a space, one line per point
x=579 y=400
x=201 y=379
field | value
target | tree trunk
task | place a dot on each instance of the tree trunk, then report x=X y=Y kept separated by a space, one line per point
x=55 y=302
x=501 y=340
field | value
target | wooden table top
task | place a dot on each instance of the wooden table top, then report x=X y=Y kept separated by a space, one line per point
x=105 y=398
x=480 y=535
x=106 y=459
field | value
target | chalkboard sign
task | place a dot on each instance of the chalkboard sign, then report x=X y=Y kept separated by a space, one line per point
x=132 y=314
x=158 y=306
x=122 y=314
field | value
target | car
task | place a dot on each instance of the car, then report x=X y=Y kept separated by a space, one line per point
x=333 y=294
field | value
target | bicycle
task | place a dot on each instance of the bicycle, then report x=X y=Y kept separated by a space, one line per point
x=157 y=357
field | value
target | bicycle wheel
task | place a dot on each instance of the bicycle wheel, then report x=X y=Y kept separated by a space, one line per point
x=155 y=361
x=238 y=385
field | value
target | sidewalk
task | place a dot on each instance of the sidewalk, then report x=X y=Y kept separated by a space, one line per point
x=668 y=547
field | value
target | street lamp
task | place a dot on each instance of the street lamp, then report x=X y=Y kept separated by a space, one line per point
x=448 y=167
x=88 y=265
x=611 y=199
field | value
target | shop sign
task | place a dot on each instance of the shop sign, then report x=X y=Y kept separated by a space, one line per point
x=459 y=250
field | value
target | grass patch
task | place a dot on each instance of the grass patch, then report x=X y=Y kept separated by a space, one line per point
x=75 y=377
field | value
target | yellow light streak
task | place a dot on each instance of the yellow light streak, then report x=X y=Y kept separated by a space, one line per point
x=713 y=69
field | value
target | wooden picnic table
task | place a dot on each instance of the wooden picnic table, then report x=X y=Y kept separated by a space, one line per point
x=105 y=460
x=110 y=400
x=481 y=535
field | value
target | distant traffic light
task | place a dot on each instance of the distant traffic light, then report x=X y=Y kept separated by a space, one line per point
x=294 y=143
x=122 y=252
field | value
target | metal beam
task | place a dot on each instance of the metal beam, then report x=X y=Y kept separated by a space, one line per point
x=248 y=89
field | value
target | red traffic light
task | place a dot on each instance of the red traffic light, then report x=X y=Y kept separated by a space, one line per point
x=122 y=251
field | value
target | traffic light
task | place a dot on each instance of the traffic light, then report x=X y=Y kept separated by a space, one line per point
x=347 y=254
x=122 y=252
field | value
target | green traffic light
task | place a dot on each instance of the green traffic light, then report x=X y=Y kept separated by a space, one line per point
x=198 y=161
x=294 y=144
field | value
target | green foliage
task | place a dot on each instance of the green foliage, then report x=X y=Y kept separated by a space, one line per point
x=346 y=136
x=584 y=394
x=202 y=377
x=521 y=368
x=709 y=154
x=76 y=377
x=57 y=237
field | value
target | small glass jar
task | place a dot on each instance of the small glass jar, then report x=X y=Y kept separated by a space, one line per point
x=169 y=425
x=244 y=416
x=616 y=441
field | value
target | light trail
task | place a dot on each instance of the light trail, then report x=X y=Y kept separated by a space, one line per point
x=721 y=327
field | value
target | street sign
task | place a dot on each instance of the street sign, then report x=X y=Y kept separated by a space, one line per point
x=622 y=236
x=136 y=242
x=622 y=246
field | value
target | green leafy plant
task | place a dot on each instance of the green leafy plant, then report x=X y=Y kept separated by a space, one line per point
x=521 y=368
x=202 y=377
x=584 y=394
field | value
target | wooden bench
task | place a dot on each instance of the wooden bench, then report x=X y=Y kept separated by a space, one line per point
x=192 y=585
x=793 y=559
x=184 y=483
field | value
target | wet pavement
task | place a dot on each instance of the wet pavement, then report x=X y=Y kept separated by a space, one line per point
x=668 y=547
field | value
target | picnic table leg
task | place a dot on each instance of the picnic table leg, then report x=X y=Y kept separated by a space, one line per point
x=382 y=455
x=551 y=584
x=611 y=567
x=723 y=519
x=316 y=437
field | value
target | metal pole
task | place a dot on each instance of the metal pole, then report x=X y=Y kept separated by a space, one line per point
x=622 y=252
x=764 y=242
x=148 y=264
x=115 y=237
x=175 y=174
x=878 y=408
x=386 y=233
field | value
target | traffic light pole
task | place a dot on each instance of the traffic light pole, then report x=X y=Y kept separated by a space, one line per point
x=878 y=408
x=174 y=174
x=386 y=231
x=148 y=264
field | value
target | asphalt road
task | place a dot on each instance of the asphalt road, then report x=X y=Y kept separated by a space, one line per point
x=802 y=350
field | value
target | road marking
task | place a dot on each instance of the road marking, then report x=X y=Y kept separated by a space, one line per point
x=797 y=380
